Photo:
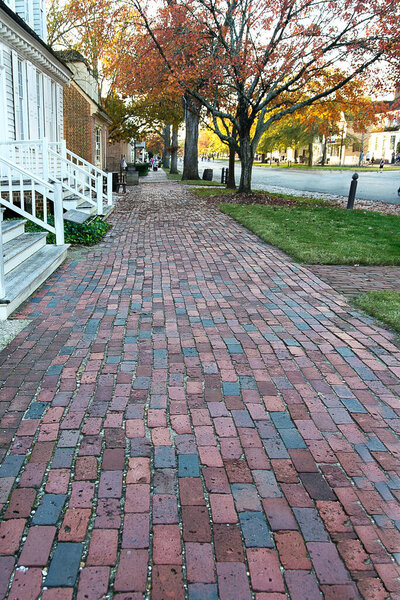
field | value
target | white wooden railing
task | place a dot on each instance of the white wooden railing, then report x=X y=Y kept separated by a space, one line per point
x=99 y=180
x=52 y=161
x=75 y=180
x=28 y=154
x=32 y=197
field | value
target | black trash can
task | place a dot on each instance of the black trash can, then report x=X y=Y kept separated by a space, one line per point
x=115 y=179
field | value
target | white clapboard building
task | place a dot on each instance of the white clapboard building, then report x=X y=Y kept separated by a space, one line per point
x=40 y=179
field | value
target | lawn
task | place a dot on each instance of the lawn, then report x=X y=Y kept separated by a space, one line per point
x=384 y=305
x=315 y=232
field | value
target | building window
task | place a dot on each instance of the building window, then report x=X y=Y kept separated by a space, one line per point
x=98 y=147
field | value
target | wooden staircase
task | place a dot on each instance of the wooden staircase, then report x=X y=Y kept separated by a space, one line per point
x=28 y=262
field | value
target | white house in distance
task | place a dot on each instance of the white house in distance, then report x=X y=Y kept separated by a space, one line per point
x=40 y=179
x=383 y=140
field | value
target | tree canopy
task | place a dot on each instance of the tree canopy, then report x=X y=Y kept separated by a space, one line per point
x=259 y=61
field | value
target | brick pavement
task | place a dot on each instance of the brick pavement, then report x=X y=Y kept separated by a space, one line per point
x=189 y=415
x=353 y=280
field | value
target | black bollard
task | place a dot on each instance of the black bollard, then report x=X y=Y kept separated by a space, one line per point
x=224 y=175
x=352 y=192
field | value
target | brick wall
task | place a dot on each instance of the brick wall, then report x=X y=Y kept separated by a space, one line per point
x=77 y=123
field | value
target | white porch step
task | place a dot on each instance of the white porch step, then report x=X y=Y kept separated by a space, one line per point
x=20 y=248
x=22 y=281
x=12 y=229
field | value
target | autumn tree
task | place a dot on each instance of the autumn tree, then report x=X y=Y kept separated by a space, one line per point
x=152 y=96
x=347 y=107
x=175 y=31
x=267 y=59
x=101 y=30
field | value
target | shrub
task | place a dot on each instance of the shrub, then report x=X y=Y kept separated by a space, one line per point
x=142 y=168
x=86 y=234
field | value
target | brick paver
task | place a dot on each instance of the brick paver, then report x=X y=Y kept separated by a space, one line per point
x=189 y=415
x=353 y=280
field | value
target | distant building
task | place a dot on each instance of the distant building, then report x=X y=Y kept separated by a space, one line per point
x=383 y=140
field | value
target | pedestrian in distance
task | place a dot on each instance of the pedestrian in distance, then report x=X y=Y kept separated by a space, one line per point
x=381 y=165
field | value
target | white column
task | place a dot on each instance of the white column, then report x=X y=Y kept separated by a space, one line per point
x=99 y=194
x=2 y=284
x=58 y=213
x=109 y=189
x=63 y=153
x=45 y=151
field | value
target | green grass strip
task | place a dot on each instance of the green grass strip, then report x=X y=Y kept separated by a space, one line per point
x=384 y=305
x=314 y=232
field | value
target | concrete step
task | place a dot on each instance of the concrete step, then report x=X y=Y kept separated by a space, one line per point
x=12 y=228
x=88 y=208
x=20 y=248
x=22 y=281
x=70 y=202
x=76 y=216
x=107 y=210
x=75 y=202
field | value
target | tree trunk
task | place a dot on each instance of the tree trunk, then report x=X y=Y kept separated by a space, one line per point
x=310 y=154
x=324 y=152
x=246 y=159
x=190 y=157
x=231 y=184
x=167 y=143
x=174 y=152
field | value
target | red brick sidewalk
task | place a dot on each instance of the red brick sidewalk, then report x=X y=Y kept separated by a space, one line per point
x=191 y=416
x=353 y=280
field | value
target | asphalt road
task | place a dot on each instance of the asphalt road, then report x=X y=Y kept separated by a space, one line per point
x=371 y=184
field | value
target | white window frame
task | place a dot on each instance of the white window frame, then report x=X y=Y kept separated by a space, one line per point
x=10 y=4
x=40 y=103
x=98 y=148
x=20 y=99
